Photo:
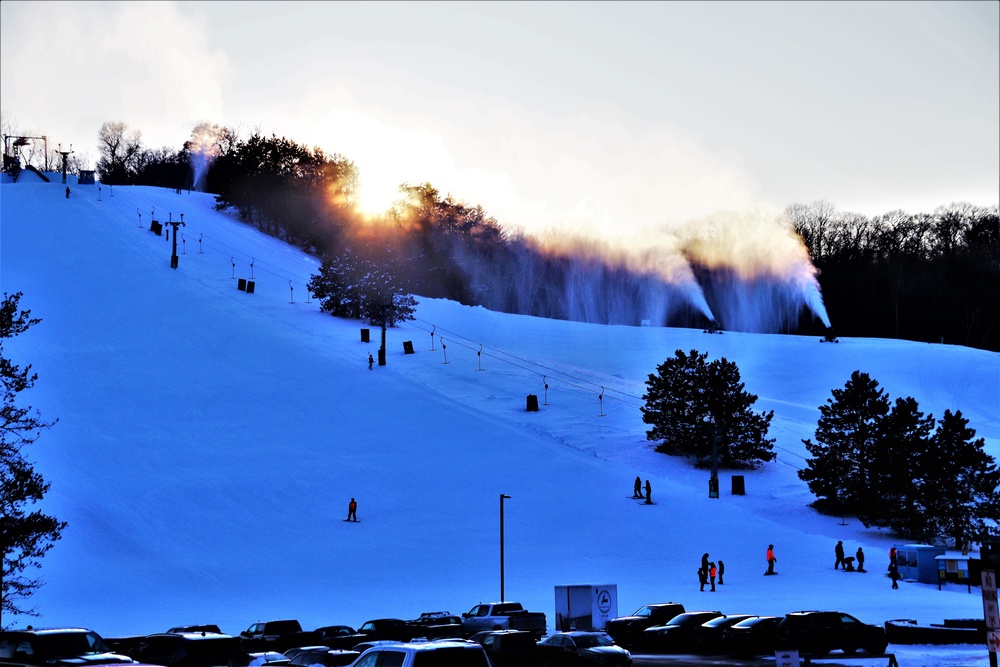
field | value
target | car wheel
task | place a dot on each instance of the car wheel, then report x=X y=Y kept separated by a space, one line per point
x=877 y=648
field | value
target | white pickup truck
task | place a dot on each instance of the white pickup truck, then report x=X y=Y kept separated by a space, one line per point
x=503 y=616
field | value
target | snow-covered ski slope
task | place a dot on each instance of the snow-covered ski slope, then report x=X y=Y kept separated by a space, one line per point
x=209 y=441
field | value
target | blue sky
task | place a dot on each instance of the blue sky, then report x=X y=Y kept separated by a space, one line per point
x=591 y=116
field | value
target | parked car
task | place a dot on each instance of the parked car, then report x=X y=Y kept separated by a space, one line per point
x=277 y=636
x=504 y=616
x=590 y=648
x=439 y=625
x=707 y=637
x=338 y=636
x=675 y=636
x=442 y=653
x=327 y=658
x=292 y=652
x=361 y=647
x=197 y=628
x=260 y=658
x=187 y=649
x=819 y=632
x=627 y=630
x=753 y=636
x=57 y=646
x=517 y=648
x=395 y=629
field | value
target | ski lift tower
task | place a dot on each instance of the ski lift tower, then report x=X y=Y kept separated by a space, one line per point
x=20 y=142
x=64 y=154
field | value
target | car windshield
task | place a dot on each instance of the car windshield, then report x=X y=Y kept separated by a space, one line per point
x=643 y=611
x=590 y=641
x=687 y=619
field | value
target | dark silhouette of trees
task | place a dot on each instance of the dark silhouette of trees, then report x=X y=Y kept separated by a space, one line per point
x=892 y=468
x=119 y=148
x=691 y=404
x=914 y=276
x=298 y=194
x=353 y=287
x=847 y=437
x=163 y=168
x=959 y=489
x=25 y=534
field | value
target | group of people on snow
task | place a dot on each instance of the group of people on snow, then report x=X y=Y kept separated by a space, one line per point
x=846 y=563
x=708 y=571
x=637 y=490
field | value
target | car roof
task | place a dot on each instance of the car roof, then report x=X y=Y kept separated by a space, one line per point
x=757 y=619
x=428 y=646
x=48 y=631
x=194 y=636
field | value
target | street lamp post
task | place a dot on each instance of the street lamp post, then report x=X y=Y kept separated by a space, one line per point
x=502 y=497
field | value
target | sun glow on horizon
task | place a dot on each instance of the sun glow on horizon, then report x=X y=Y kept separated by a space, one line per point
x=377 y=193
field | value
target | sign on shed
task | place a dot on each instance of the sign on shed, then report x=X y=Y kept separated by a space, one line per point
x=585 y=607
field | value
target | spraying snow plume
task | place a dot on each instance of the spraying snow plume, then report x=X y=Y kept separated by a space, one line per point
x=747 y=271
x=204 y=147
x=563 y=276
x=755 y=270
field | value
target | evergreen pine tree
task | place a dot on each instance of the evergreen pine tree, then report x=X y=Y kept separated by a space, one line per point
x=690 y=403
x=959 y=484
x=335 y=286
x=902 y=442
x=25 y=534
x=847 y=440
x=354 y=287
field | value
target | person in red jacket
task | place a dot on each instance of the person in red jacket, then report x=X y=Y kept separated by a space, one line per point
x=352 y=510
x=712 y=571
x=771 y=560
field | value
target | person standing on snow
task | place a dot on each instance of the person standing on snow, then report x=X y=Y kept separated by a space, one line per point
x=712 y=571
x=637 y=488
x=771 y=560
x=894 y=574
x=649 y=493
x=839 y=551
x=861 y=560
x=352 y=510
x=371 y=362
x=702 y=578
x=722 y=570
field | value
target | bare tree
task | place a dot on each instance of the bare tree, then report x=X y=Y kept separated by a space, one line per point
x=119 y=148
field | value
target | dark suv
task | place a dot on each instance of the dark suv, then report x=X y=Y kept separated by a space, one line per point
x=819 y=632
x=56 y=646
x=187 y=649
x=627 y=630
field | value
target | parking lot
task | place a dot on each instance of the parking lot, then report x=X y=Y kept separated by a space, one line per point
x=886 y=660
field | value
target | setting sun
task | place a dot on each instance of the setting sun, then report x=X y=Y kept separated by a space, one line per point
x=377 y=192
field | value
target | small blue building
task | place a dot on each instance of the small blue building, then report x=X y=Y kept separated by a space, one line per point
x=917 y=562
